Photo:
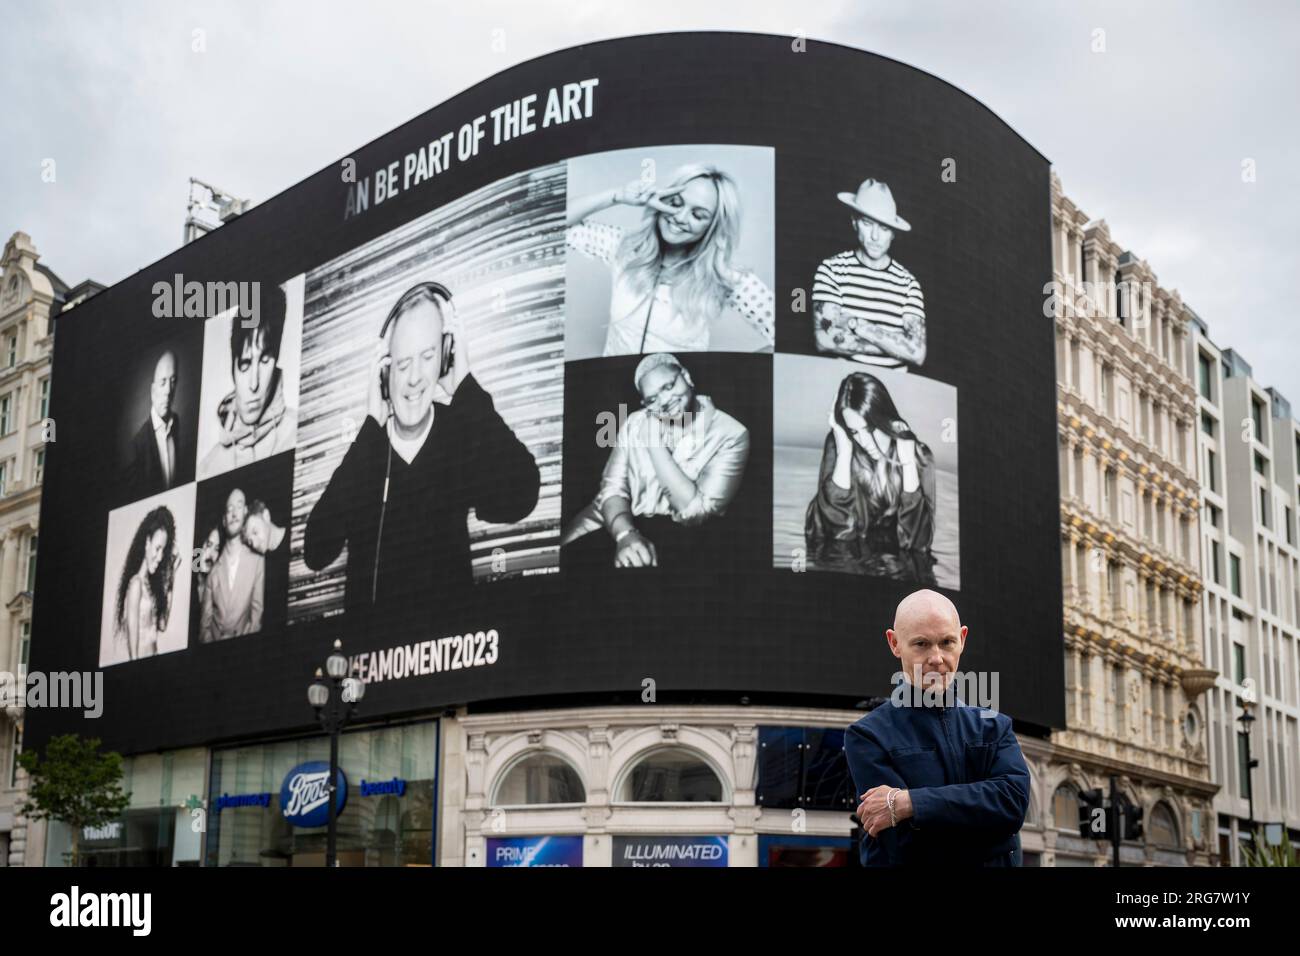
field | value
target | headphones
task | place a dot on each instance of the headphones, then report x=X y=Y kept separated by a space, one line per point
x=438 y=292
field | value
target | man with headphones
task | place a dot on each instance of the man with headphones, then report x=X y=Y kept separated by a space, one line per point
x=431 y=448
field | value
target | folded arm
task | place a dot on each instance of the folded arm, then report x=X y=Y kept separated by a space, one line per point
x=997 y=803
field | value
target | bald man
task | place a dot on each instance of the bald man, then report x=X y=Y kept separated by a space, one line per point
x=941 y=784
x=161 y=456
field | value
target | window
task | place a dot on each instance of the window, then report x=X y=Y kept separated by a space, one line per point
x=672 y=776
x=38 y=466
x=1105 y=388
x=1234 y=574
x=1286 y=516
x=1121 y=301
x=1212 y=469
x=1257 y=418
x=1161 y=830
x=3 y=477
x=1117 y=701
x=31 y=563
x=1085 y=687
x=1065 y=808
x=1205 y=376
x=540 y=779
x=1260 y=467
x=11 y=350
x=6 y=414
x=1263 y=507
x=1207 y=423
x=1212 y=515
x=44 y=401
x=804 y=767
x=24 y=647
x=1238 y=663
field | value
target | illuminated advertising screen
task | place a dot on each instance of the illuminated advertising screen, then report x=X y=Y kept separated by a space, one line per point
x=660 y=366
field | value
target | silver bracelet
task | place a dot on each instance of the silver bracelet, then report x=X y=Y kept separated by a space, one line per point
x=889 y=800
x=623 y=534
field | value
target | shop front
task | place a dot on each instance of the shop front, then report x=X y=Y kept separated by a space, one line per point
x=162 y=825
x=268 y=802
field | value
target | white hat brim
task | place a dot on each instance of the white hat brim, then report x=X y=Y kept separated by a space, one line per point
x=850 y=200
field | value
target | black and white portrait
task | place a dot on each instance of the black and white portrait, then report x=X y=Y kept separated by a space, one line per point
x=240 y=560
x=865 y=472
x=666 y=469
x=249 y=405
x=159 y=399
x=670 y=249
x=866 y=305
x=146 y=594
x=429 y=445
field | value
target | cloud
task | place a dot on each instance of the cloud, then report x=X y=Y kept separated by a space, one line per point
x=1149 y=134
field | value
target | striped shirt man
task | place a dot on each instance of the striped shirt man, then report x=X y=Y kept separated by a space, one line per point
x=857 y=306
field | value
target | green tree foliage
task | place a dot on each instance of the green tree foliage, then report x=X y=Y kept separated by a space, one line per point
x=76 y=784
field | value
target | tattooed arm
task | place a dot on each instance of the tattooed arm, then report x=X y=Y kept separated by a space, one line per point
x=907 y=343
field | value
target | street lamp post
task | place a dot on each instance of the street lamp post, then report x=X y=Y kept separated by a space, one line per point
x=335 y=699
x=1247 y=719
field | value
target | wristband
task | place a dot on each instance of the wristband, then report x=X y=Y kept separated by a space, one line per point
x=623 y=534
x=889 y=800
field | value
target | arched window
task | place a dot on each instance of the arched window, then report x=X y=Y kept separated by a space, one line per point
x=1161 y=829
x=1065 y=808
x=540 y=778
x=671 y=776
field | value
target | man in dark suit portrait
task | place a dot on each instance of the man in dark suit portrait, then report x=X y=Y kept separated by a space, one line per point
x=160 y=451
x=236 y=585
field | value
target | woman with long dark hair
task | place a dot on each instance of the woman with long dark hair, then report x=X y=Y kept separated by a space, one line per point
x=673 y=277
x=874 y=508
x=144 y=592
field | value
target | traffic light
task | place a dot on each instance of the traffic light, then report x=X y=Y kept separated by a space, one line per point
x=1094 y=821
x=1132 y=822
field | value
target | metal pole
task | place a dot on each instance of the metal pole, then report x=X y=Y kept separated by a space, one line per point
x=1116 y=821
x=331 y=857
x=1250 y=791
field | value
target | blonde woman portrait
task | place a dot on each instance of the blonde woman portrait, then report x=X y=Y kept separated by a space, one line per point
x=676 y=272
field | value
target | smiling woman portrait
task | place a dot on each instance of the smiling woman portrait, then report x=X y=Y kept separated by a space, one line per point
x=673 y=276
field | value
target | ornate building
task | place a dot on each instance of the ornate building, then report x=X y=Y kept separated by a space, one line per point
x=31 y=295
x=1129 y=557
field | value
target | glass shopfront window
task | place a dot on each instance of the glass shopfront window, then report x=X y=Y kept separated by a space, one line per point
x=162 y=825
x=388 y=821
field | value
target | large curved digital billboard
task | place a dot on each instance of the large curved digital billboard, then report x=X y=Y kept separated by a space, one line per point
x=679 y=358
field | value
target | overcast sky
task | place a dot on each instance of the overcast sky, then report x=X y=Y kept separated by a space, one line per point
x=1150 y=134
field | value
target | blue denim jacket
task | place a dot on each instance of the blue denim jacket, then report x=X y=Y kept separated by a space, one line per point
x=966 y=776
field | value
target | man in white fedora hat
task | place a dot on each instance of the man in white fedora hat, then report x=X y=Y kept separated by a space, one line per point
x=866 y=306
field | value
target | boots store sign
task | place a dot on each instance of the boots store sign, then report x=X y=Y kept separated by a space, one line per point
x=304 y=795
